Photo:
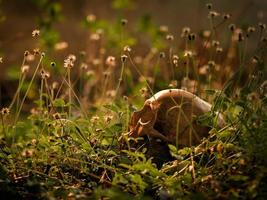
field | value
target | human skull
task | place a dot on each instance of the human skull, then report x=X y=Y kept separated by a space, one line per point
x=171 y=115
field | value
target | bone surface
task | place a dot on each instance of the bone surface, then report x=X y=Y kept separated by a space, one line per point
x=171 y=115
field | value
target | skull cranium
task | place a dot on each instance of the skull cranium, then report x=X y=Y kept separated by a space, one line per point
x=170 y=115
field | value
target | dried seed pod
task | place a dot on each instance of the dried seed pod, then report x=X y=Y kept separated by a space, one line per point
x=171 y=115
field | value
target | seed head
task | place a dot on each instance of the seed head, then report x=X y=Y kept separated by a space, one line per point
x=94 y=36
x=111 y=61
x=191 y=36
x=240 y=37
x=175 y=59
x=123 y=58
x=163 y=29
x=5 y=111
x=44 y=74
x=26 y=53
x=35 y=33
x=206 y=33
x=213 y=14
x=36 y=51
x=69 y=61
x=162 y=55
x=226 y=16
x=262 y=26
x=124 y=22
x=209 y=6
x=1 y=60
x=232 y=27
x=52 y=64
x=188 y=54
x=211 y=63
x=185 y=32
x=127 y=48
x=215 y=43
x=55 y=85
x=84 y=66
x=219 y=49
x=169 y=37
x=25 y=69
x=61 y=45
x=91 y=18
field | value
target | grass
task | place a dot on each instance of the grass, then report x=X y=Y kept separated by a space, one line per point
x=70 y=144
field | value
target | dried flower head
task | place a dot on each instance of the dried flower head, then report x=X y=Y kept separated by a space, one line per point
x=1 y=59
x=55 y=85
x=90 y=73
x=90 y=18
x=206 y=33
x=61 y=45
x=69 y=62
x=213 y=14
x=127 y=48
x=25 y=69
x=84 y=66
x=96 y=62
x=191 y=36
x=36 y=51
x=240 y=37
x=175 y=59
x=250 y=30
x=232 y=27
x=169 y=37
x=52 y=64
x=162 y=55
x=226 y=16
x=5 y=111
x=211 y=63
x=26 y=53
x=123 y=58
x=35 y=33
x=95 y=37
x=215 y=43
x=111 y=61
x=124 y=22
x=163 y=29
x=185 y=32
x=219 y=49
x=44 y=74
x=262 y=26
x=209 y=6
x=188 y=54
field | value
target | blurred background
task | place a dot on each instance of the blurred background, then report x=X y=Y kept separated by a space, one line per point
x=67 y=26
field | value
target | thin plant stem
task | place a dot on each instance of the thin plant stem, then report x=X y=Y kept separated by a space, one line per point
x=28 y=89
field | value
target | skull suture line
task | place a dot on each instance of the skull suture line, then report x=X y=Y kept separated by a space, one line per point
x=171 y=115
